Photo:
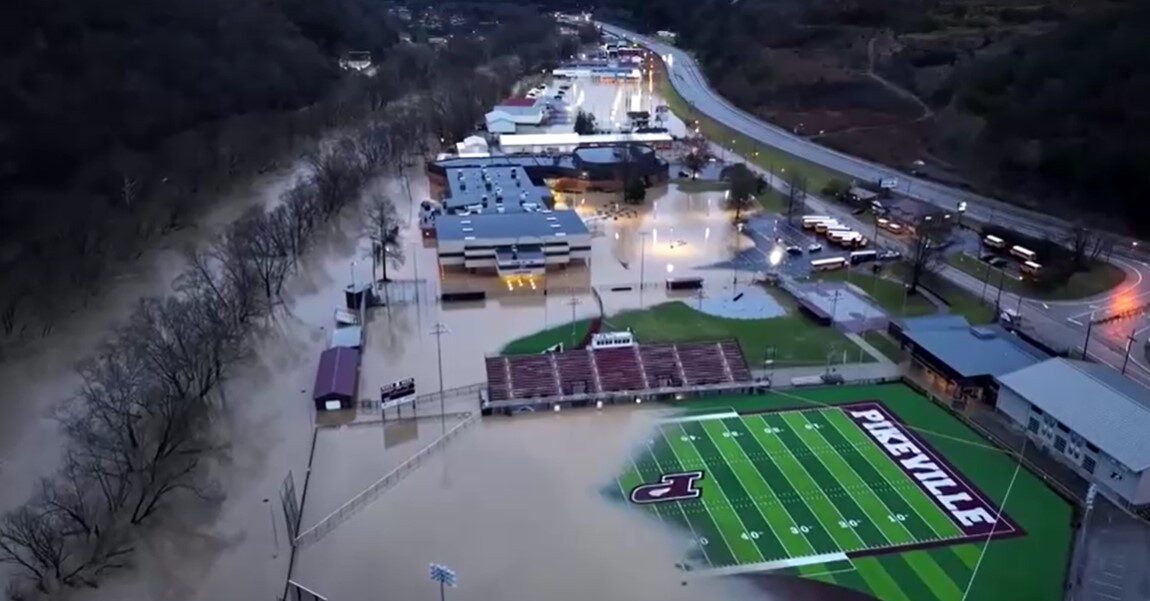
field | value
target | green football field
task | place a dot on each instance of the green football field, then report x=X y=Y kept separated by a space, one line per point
x=794 y=484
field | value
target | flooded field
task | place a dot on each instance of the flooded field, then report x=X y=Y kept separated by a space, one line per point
x=518 y=508
x=506 y=497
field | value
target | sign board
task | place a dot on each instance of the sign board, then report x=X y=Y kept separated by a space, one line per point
x=888 y=183
x=397 y=393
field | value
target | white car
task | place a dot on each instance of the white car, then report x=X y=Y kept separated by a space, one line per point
x=814 y=248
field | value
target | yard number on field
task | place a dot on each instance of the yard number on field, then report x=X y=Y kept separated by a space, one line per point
x=752 y=535
x=811 y=426
x=688 y=438
x=730 y=434
x=897 y=517
x=848 y=523
x=800 y=530
x=772 y=430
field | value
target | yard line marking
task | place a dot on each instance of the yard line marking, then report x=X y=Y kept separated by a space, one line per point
x=686 y=518
x=697 y=418
x=718 y=528
x=859 y=477
x=767 y=566
x=723 y=491
x=773 y=494
x=861 y=544
x=627 y=493
x=868 y=457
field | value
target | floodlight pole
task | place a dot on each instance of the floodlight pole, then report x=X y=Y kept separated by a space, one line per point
x=438 y=330
x=574 y=302
x=1129 y=345
x=1086 y=345
x=642 y=266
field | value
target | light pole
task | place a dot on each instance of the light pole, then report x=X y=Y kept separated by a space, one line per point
x=835 y=307
x=1129 y=344
x=275 y=532
x=642 y=265
x=438 y=330
x=574 y=302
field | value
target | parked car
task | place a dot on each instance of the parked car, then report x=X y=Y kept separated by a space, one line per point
x=889 y=255
x=814 y=248
x=794 y=250
x=998 y=262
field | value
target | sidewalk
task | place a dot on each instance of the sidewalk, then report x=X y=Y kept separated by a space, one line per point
x=852 y=373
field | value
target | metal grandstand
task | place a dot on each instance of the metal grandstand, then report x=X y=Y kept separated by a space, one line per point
x=581 y=376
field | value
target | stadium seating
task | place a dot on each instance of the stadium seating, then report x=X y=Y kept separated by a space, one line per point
x=635 y=368
x=619 y=369
x=702 y=362
x=662 y=365
x=533 y=376
x=575 y=372
x=735 y=360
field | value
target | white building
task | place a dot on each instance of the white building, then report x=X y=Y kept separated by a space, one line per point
x=506 y=117
x=598 y=72
x=569 y=141
x=1088 y=416
x=513 y=244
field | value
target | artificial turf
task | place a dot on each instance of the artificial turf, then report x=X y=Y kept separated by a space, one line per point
x=801 y=481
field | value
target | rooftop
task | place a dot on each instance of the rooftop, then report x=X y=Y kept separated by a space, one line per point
x=971 y=351
x=510 y=226
x=1101 y=405
x=506 y=186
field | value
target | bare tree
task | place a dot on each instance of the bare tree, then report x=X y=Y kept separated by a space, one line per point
x=744 y=184
x=931 y=235
x=796 y=194
x=1081 y=241
x=383 y=228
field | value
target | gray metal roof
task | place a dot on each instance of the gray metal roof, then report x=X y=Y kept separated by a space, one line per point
x=1101 y=405
x=934 y=322
x=505 y=185
x=973 y=351
x=541 y=224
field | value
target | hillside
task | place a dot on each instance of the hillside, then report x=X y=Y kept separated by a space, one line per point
x=1041 y=102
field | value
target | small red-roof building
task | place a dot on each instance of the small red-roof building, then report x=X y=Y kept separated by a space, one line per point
x=507 y=116
x=517 y=101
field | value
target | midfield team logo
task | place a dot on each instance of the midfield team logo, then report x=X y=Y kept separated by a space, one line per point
x=670 y=487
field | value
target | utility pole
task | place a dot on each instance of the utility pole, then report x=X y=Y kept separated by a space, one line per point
x=1086 y=345
x=835 y=307
x=700 y=295
x=1129 y=344
x=438 y=330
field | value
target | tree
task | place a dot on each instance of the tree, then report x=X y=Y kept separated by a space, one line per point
x=588 y=33
x=796 y=194
x=1085 y=244
x=744 y=184
x=383 y=228
x=584 y=123
x=930 y=238
x=634 y=192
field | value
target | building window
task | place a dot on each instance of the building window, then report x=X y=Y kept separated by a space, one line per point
x=1032 y=425
x=1059 y=444
x=1088 y=464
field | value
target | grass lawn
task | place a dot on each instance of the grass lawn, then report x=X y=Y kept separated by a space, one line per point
x=768 y=157
x=1030 y=566
x=700 y=185
x=1096 y=280
x=961 y=301
x=796 y=340
x=888 y=294
x=541 y=341
x=773 y=201
x=885 y=345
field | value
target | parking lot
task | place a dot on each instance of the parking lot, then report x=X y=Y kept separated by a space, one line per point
x=787 y=248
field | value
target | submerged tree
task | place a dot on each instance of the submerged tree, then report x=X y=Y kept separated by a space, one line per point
x=384 y=230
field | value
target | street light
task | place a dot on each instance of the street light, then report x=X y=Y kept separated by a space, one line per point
x=438 y=330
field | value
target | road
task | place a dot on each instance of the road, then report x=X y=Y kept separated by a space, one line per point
x=689 y=82
x=1061 y=324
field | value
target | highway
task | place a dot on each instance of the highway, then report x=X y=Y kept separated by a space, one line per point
x=1060 y=324
x=689 y=82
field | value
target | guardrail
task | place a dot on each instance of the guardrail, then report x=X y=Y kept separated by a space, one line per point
x=361 y=500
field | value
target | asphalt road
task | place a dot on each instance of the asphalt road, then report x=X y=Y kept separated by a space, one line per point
x=690 y=83
x=1061 y=324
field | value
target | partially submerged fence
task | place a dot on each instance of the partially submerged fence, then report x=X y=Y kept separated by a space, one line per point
x=369 y=494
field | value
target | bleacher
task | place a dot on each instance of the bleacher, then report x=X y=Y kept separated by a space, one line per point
x=703 y=363
x=628 y=369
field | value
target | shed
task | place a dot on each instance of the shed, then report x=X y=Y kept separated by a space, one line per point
x=336 y=379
